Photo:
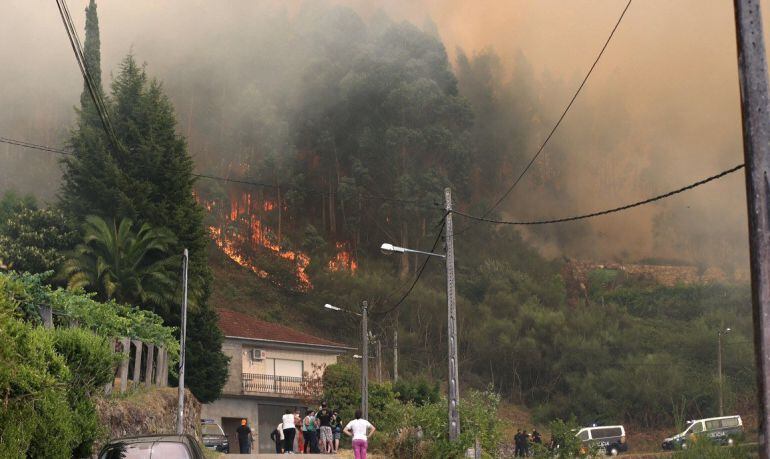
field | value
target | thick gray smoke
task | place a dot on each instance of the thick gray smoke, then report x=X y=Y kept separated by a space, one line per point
x=660 y=111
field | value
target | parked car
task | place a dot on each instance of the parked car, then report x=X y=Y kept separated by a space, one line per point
x=213 y=436
x=724 y=430
x=153 y=446
x=612 y=439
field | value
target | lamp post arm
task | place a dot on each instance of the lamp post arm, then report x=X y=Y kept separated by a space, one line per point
x=430 y=254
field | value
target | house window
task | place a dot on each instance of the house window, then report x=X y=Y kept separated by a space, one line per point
x=284 y=367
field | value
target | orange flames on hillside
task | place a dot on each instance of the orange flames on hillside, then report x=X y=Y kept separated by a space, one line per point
x=344 y=260
x=244 y=228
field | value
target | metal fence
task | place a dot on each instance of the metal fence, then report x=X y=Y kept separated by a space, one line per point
x=270 y=384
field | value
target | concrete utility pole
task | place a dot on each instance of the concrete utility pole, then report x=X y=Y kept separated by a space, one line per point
x=454 y=390
x=719 y=374
x=755 y=110
x=364 y=360
x=379 y=361
x=182 y=338
x=395 y=353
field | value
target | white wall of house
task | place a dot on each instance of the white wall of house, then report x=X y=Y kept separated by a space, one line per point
x=285 y=362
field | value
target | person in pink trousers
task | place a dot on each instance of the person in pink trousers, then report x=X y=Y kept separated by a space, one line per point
x=359 y=429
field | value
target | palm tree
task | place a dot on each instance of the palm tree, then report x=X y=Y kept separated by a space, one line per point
x=118 y=263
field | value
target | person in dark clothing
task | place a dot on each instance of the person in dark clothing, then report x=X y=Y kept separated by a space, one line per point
x=276 y=437
x=326 y=438
x=244 y=437
x=536 y=438
x=518 y=451
x=525 y=443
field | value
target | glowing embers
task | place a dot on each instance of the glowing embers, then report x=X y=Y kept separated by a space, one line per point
x=343 y=260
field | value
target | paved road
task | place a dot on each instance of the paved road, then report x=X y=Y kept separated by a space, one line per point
x=275 y=456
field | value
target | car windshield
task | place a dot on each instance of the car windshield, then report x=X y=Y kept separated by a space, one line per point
x=211 y=429
x=146 y=450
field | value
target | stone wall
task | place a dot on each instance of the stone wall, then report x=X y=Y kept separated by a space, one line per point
x=147 y=412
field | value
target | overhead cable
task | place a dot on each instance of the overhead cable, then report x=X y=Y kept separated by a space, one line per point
x=604 y=212
x=370 y=197
x=558 y=122
x=417 y=278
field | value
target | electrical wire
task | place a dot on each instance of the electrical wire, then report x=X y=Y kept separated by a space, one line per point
x=370 y=197
x=607 y=211
x=416 y=279
x=558 y=122
x=93 y=91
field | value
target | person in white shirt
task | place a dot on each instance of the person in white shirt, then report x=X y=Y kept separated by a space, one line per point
x=289 y=420
x=359 y=430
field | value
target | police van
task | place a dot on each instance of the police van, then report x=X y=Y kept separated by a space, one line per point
x=724 y=430
x=612 y=439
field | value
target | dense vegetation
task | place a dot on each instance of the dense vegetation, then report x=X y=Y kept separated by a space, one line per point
x=380 y=111
x=415 y=427
x=49 y=376
x=138 y=184
x=374 y=109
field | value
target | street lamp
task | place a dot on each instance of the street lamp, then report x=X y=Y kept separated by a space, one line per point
x=364 y=350
x=720 y=334
x=388 y=249
x=449 y=257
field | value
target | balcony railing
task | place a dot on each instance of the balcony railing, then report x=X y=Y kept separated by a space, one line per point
x=270 y=384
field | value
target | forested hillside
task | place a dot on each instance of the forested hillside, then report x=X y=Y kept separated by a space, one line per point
x=284 y=153
x=360 y=156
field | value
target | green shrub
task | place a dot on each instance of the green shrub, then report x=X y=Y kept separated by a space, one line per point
x=704 y=448
x=418 y=391
x=89 y=357
x=36 y=418
x=478 y=419
x=46 y=379
x=91 y=361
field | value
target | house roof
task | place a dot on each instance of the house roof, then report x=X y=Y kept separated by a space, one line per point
x=237 y=325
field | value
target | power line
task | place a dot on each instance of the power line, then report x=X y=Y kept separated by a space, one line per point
x=414 y=203
x=608 y=211
x=93 y=90
x=558 y=122
x=417 y=278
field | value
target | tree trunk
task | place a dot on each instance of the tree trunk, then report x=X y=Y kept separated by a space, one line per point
x=404 y=259
x=280 y=212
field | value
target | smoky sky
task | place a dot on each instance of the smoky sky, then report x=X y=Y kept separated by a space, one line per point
x=661 y=109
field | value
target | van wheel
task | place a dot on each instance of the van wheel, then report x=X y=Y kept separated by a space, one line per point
x=614 y=452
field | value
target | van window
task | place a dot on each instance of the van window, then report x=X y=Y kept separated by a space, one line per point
x=606 y=432
x=697 y=427
x=713 y=424
x=583 y=435
x=730 y=422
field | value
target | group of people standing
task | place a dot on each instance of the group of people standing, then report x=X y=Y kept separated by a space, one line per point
x=523 y=441
x=319 y=432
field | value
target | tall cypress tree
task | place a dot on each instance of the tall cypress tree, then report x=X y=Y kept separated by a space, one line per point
x=146 y=175
x=93 y=58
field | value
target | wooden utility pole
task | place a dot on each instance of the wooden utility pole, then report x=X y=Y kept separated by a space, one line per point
x=755 y=110
x=379 y=361
x=453 y=389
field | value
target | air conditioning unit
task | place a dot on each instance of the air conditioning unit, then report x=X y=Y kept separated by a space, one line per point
x=258 y=354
